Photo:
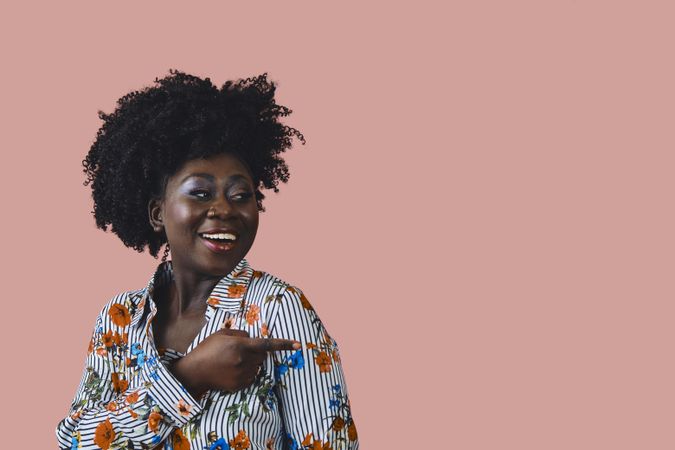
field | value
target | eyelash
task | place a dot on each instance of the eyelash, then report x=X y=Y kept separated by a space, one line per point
x=242 y=196
x=198 y=192
x=237 y=197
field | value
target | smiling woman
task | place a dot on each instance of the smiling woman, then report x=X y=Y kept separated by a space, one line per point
x=211 y=354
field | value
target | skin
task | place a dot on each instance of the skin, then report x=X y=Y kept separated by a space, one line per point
x=228 y=359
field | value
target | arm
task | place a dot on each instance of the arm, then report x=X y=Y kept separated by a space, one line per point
x=105 y=410
x=309 y=382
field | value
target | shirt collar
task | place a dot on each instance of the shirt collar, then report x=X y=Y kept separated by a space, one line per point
x=228 y=294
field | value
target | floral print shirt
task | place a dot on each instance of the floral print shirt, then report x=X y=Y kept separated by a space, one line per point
x=128 y=398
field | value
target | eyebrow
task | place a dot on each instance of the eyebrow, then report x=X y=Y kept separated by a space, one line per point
x=210 y=177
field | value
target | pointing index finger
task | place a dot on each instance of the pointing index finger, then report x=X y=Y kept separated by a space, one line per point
x=272 y=344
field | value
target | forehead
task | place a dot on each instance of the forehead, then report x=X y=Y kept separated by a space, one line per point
x=223 y=167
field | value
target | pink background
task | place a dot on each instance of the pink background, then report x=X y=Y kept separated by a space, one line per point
x=489 y=183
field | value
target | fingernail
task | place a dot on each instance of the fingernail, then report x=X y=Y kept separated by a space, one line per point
x=297 y=346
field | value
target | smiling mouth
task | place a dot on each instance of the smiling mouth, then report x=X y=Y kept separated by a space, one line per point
x=219 y=242
x=219 y=237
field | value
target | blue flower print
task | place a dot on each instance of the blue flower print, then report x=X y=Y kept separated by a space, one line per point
x=220 y=444
x=292 y=443
x=296 y=360
x=280 y=371
x=138 y=352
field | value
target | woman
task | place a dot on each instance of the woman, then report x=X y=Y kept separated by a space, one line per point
x=212 y=354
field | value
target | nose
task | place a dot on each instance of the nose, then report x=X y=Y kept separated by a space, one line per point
x=220 y=208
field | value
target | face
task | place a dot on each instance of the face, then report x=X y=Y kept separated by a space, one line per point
x=209 y=213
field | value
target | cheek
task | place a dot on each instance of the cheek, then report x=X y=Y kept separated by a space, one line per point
x=252 y=218
x=181 y=218
x=254 y=222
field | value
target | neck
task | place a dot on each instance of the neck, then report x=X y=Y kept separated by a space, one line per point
x=188 y=291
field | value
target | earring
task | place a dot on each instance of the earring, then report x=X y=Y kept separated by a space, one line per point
x=166 y=252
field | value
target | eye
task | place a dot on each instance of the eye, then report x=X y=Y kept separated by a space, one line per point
x=241 y=196
x=201 y=194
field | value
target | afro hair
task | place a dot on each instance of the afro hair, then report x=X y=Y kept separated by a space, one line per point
x=154 y=131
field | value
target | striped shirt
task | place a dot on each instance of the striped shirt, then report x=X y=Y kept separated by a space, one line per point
x=128 y=398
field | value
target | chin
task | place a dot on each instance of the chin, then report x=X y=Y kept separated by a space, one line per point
x=222 y=265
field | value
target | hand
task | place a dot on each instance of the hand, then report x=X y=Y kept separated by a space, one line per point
x=227 y=360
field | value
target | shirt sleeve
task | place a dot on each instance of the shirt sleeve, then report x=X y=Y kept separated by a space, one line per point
x=310 y=384
x=107 y=413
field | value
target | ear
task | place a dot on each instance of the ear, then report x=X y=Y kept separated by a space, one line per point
x=155 y=214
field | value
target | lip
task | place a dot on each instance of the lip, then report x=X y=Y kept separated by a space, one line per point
x=218 y=247
x=219 y=230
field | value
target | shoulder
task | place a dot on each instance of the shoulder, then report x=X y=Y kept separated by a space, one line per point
x=282 y=303
x=272 y=289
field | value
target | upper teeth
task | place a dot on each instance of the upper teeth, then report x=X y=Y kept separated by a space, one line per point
x=228 y=236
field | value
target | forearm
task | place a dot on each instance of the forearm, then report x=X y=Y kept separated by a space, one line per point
x=143 y=416
x=131 y=417
x=184 y=373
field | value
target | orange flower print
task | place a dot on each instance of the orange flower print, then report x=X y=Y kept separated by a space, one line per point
x=351 y=431
x=179 y=440
x=269 y=445
x=119 y=338
x=213 y=301
x=107 y=339
x=305 y=302
x=228 y=322
x=101 y=351
x=316 y=445
x=111 y=406
x=338 y=423
x=239 y=274
x=240 y=441
x=303 y=299
x=124 y=384
x=311 y=345
x=153 y=421
x=236 y=290
x=119 y=314
x=253 y=314
x=104 y=434
x=119 y=385
x=183 y=408
x=323 y=361
x=132 y=398
x=257 y=274
x=91 y=346
x=133 y=413
x=264 y=330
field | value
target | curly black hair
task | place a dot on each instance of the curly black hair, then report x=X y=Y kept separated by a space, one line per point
x=154 y=131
